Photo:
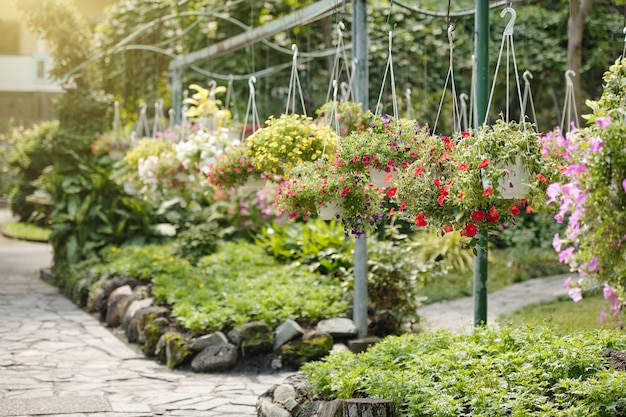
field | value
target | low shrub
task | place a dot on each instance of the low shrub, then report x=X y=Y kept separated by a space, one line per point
x=529 y=371
x=237 y=284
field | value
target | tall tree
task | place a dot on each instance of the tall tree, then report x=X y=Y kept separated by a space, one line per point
x=578 y=12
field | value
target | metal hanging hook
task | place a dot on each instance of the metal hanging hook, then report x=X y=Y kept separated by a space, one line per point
x=569 y=74
x=212 y=86
x=251 y=82
x=527 y=76
x=451 y=36
x=340 y=28
x=508 y=30
x=294 y=48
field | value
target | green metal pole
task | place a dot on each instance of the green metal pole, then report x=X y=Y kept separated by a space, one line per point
x=361 y=90
x=481 y=36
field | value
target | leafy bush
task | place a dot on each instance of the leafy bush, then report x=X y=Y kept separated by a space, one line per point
x=516 y=372
x=237 y=284
x=33 y=150
x=196 y=241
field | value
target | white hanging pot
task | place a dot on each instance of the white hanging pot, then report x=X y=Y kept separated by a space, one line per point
x=116 y=154
x=253 y=183
x=330 y=209
x=381 y=178
x=514 y=185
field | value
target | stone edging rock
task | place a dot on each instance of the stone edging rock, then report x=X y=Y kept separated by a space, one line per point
x=126 y=303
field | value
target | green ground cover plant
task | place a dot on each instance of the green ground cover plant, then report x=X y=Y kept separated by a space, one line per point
x=237 y=284
x=26 y=231
x=526 y=371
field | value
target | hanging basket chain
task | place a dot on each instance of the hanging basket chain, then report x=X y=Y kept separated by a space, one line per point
x=340 y=64
x=294 y=85
x=528 y=98
x=388 y=70
x=570 y=113
x=251 y=110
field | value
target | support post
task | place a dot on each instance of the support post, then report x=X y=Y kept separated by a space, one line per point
x=482 y=96
x=360 y=71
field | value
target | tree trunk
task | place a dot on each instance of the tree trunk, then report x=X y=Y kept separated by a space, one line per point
x=368 y=407
x=579 y=10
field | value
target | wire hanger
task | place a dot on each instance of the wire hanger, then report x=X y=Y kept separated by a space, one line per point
x=388 y=69
x=340 y=64
x=528 y=97
x=570 y=114
x=507 y=38
x=294 y=84
x=456 y=120
x=251 y=110
x=143 y=129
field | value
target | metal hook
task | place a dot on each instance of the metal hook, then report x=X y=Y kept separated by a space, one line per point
x=212 y=85
x=527 y=76
x=251 y=82
x=340 y=28
x=343 y=86
x=463 y=99
x=143 y=107
x=294 y=48
x=568 y=77
x=451 y=36
x=508 y=30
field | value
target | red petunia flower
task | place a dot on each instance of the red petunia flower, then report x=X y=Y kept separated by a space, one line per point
x=463 y=167
x=514 y=210
x=487 y=191
x=402 y=205
x=390 y=213
x=484 y=164
x=470 y=230
x=478 y=215
x=437 y=182
x=418 y=170
x=465 y=134
x=541 y=178
x=391 y=192
x=529 y=209
x=420 y=220
x=492 y=215
x=447 y=228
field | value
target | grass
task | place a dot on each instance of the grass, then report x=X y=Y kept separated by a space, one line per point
x=25 y=231
x=506 y=267
x=564 y=315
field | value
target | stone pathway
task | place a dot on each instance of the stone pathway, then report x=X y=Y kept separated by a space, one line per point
x=57 y=360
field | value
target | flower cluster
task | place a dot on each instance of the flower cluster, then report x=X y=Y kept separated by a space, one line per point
x=200 y=150
x=343 y=117
x=591 y=198
x=464 y=183
x=387 y=144
x=288 y=141
x=107 y=142
x=232 y=168
x=314 y=184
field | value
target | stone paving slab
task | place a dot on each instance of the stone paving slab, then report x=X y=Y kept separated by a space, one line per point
x=55 y=355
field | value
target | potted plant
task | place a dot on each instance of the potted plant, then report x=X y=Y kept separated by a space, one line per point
x=313 y=186
x=233 y=168
x=384 y=148
x=113 y=144
x=343 y=117
x=288 y=141
x=467 y=187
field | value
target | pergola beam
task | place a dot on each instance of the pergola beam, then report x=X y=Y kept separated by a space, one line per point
x=309 y=14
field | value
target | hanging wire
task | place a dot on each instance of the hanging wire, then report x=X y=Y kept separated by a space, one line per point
x=231 y=102
x=389 y=70
x=463 y=110
x=456 y=124
x=507 y=38
x=294 y=84
x=570 y=113
x=409 y=107
x=143 y=128
x=340 y=63
x=251 y=110
x=528 y=98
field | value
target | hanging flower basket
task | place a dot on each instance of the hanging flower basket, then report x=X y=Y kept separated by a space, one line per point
x=456 y=192
x=382 y=178
x=313 y=185
x=386 y=147
x=233 y=168
x=331 y=209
